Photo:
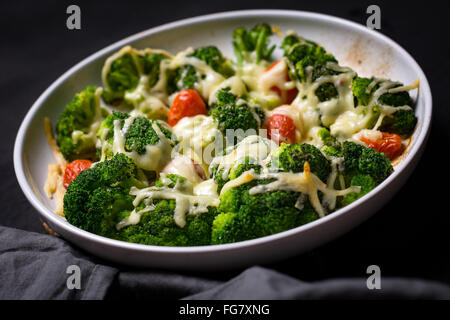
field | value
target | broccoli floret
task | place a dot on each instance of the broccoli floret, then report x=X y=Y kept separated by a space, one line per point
x=214 y=58
x=232 y=114
x=124 y=74
x=150 y=64
x=366 y=183
x=401 y=122
x=288 y=42
x=351 y=153
x=236 y=170
x=170 y=181
x=397 y=99
x=157 y=227
x=375 y=164
x=187 y=76
x=244 y=216
x=359 y=159
x=108 y=124
x=74 y=126
x=140 y=134
x=253 y=45
x=307 y=62
x=360 y=91
x=99 y=196
x=326 y=91
x=331 y=147
x=292 y=157
x=184 y=77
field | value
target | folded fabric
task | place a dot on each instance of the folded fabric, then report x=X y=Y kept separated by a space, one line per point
x=39 y=266
x=261 y=284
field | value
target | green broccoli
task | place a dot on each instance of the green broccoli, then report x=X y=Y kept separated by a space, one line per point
x=157 y=227
x=288 y=42
x=401 y=121
x=139 y=135
x=97 y=199
x=170 y=181
x=361 y=92
x=243 y=216
x=253 y=45
x=307 y=62
x=122 y=76
x=125 y=72
x=233 y=114
x=108 y=124
x=184 y=77
x=235 y=171
x=187 y=76
x=75 y=126
x=214 y=58
x=366 y=183
x=359 y=159
x=292 y=157
x=150 y=64
x=331 y=147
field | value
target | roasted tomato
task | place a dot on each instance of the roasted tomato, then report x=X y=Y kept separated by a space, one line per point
x=281 y=128
x=73 y=169
x=390 y=144
x=187 y=103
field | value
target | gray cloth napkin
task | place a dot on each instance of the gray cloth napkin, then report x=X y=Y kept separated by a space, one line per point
x=35 y=266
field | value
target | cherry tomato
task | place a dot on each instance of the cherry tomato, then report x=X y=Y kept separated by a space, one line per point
x=281 y=128
x=187 y=103
x=286 y=95
x=73 y=169
x=389 y=143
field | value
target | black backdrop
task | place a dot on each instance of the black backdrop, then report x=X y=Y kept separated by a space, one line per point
x=407 y=238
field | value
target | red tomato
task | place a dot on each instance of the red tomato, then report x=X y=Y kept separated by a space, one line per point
x=73 y=169
x=281 y=128
x=187 y=103
x=286 y=95
x=390 y=144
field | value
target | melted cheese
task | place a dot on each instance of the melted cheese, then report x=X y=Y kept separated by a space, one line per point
x=147 y=104
x=210 y=79
x=155 y=157
x=275 y=77
x=254 y=147
x=185 y=204
x=305 y=183
x=236 y=85
x=250 y=74
x=183 y=166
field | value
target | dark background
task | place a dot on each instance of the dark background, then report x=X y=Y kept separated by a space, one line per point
x=409 y=237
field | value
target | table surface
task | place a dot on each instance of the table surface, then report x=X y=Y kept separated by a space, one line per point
x=407 y=238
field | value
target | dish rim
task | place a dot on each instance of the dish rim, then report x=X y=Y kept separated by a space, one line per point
x=51 y=217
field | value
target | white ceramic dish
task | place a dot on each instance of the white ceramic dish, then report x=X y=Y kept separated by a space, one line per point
x=366 y=51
